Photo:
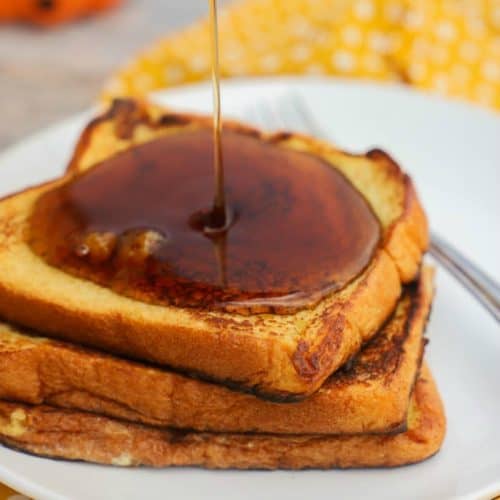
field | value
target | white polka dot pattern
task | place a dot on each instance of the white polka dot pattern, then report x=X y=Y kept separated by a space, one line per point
x=449 y=46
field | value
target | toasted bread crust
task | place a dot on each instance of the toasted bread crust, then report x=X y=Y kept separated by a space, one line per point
x=304 y=348
x=371 y=396
x=72 y=435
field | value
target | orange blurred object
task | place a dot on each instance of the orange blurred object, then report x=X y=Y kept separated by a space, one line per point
x=50 y=12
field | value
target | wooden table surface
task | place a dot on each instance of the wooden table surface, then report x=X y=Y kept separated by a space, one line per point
x=47 y=75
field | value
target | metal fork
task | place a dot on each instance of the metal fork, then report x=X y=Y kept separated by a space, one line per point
x=290 y=113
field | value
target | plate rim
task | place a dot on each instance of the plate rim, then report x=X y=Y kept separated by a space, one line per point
x=401 y=89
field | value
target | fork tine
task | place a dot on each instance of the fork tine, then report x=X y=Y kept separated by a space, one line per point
x=287 y=112
x=271 y=117
x=278 y=117
x=250 y=116
x=309 y=122
x=258 y=110
x=291 y=118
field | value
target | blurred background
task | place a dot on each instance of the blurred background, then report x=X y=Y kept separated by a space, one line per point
x=59 y=56
x=48 y=73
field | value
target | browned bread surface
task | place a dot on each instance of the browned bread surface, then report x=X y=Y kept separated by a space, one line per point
x=370 y=396
x=278 y=356
x=72 y=435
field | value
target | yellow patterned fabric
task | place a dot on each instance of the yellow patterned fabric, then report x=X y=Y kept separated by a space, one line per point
x=449 y=46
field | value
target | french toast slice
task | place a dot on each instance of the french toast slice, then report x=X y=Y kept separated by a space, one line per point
x=72 y=435
x=279 y=356
x=369 y=396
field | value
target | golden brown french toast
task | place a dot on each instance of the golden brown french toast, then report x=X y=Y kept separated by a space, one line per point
x=73 y=435
x=371 y=395
x=280 y=356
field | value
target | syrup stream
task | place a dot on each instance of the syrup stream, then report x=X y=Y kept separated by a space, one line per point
x=218 y=218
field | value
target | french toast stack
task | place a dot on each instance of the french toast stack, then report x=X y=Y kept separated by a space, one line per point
x=117 y=380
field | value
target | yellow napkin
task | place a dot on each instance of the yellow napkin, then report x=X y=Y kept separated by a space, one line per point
x=449 y=46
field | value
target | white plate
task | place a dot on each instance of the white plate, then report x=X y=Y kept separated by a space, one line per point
x=453 y=152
